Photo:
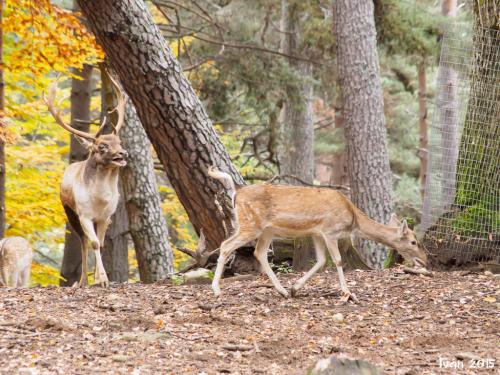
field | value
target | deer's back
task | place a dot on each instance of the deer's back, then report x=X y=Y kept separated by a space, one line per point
x=293 y=210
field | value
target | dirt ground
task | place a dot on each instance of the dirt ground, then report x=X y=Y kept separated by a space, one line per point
x=404 y=324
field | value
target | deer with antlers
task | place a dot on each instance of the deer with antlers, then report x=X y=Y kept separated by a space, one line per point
x=89 y=189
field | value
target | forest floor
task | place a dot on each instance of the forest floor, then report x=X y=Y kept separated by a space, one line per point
x=404 y=324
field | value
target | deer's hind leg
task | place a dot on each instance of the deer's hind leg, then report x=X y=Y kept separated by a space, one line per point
x=319 y=248
x=84 y=275
x=24 y=278
x=226 y=249
x=261 y=254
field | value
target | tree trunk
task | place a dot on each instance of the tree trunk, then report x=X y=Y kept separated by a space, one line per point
x=367 y=160
x=448 y=118
x=171 y=113
x=478 y=183
x=297 y=140
x=147 y=224
x=115 y=253
x=297 y=151
x=2 y=140
x=423 y=153
x=81 y=92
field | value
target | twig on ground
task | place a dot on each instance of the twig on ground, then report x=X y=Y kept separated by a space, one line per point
x=235 y=347
x=417 y=271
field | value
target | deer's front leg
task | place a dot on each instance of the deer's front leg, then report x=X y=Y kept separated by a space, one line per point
x=100 y=275
x=226 y=249
x=88 y=229
x=89 y=238
x=333 y=249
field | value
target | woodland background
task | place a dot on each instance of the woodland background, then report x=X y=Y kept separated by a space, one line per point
x=245 y=72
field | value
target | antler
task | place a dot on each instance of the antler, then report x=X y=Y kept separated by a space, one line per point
x=120 y=107
x=49 y=101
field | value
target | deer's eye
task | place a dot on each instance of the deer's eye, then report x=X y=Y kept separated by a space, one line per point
x=413 y=242
x=103 y=147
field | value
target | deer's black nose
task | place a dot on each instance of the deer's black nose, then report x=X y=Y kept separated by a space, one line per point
x=123 y=153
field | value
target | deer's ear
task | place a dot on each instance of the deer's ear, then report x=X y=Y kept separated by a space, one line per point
x=394 y=221
x=84 y=142
x=404 y=228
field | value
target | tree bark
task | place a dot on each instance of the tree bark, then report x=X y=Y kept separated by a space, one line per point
x=478 y=174
x=423 y=153
x=115 y=254
x=297 y=136
x=81 y=92
x=366 y=140
x=2 y=140
x=297 y=151
x=448 y=118
x=169 y=110
x=147 y=225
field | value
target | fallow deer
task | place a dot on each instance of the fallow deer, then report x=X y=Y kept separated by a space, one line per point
x=89 y=189
x=15 y=262
x=266 y=211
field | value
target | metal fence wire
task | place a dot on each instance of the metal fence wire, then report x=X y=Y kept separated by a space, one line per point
x=461 y=208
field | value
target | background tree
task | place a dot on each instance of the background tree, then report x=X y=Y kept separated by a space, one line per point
x=296 y=155
x=476 y=210
x=367 y=159
x=147 y=224
x=81 y=93
x=115 y=254
x=448 y=117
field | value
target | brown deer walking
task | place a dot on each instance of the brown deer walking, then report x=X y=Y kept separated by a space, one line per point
x=89 y=190
x=266 y=211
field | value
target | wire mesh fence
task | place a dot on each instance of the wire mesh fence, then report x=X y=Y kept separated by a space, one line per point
x=461 y=212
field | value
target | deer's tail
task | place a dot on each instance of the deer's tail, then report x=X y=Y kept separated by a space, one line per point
x=226 y=180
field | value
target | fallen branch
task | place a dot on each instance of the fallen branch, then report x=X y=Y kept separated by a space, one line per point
x=240 y=348
x=417 y=271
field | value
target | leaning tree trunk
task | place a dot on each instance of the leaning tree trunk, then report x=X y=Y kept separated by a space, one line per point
x=81 y=92
x=448 y=118
x=359 y=75
x=115 y=253
x=169 y=110
x=147 y=224
x=297 y=136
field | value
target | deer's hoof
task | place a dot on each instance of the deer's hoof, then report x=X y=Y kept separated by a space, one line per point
x=294 y=291
x=216 y=291
x=348 y=296
x=284 y=293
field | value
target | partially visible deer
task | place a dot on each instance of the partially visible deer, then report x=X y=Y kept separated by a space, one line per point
x=266 y=211
x=15 y=262
x=89 y=190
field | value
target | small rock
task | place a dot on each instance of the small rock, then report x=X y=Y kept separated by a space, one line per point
x=198 y=276
x=119 y=358
x=338 y=318
x=344 y=366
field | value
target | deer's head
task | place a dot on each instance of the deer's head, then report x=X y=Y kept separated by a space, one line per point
x=406 y=243
x=105 y=149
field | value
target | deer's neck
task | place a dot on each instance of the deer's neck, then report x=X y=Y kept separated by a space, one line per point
x=371 y=230
x=98 y=174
